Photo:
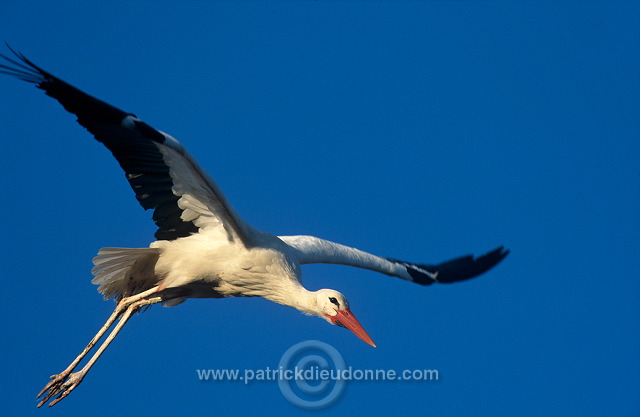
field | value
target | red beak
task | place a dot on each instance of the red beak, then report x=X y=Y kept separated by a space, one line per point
x=346 y=319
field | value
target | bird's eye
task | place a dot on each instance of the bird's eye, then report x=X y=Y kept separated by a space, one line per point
x=334 y=301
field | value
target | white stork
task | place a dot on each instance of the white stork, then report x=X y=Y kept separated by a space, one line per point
x=203 y=248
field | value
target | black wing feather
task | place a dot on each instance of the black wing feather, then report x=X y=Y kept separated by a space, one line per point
x=454 y=270
x=134 y=148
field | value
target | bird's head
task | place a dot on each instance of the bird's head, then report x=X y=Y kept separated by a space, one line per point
x=334 y=307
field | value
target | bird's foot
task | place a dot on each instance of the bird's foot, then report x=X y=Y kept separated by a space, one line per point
x=60 y=385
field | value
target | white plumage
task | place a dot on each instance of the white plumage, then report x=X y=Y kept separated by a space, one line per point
x=203 y=248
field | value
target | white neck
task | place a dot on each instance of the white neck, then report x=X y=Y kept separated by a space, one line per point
x=296 y=296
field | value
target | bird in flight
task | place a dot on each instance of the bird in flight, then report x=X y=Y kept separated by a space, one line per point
x=203 y=249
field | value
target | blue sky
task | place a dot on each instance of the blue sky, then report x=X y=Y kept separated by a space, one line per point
x=414 y=130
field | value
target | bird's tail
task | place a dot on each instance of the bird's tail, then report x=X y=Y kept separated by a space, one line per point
x=121 y=272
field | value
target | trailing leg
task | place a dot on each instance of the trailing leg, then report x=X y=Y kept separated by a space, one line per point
x=124 y=306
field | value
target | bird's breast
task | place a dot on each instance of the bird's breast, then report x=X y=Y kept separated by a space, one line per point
x=223 y=270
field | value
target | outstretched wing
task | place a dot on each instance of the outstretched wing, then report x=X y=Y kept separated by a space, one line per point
x=314 y=250
x=454 y=270
x=164 y=177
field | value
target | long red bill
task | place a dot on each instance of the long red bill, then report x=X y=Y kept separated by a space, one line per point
x=346 y=319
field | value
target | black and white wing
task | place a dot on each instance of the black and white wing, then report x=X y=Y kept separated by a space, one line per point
x=454 y=270
x=164 y=177
x=311 y=249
